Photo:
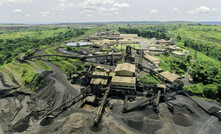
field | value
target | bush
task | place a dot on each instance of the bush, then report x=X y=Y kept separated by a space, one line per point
x=32 y=79
x=210 y=91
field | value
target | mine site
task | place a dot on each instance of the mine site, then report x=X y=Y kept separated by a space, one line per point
x=109 y=94
x=110 y=67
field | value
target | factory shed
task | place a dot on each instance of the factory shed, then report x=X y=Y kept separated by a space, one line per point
x=121 y=86
x=125 y=69
x=174 y=48
x=100 y=75
x=153 y=60
x=169 y=76
x=98 y=81
x=178 y=53
x=158 y=70
x=128 y=82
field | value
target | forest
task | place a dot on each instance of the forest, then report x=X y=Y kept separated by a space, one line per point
x=29 y=40
x=152 y=33
x=14 y=42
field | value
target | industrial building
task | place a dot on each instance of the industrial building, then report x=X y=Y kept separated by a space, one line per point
x=153 y=60
x=98 y=80
x=123 y=81
x=154 y=49
x=169 y=76
x=178 y=53
x=173 y=48
x=125 y=69
x=121 y=86
x=164 y=42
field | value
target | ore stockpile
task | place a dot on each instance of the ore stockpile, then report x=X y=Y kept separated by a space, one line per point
x=106 y=98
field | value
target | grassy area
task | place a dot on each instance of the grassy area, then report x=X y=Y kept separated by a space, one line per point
x=42 y=65
x=205 y=32
x=65 y=64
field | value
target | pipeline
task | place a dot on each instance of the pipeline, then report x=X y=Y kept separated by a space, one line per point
x=135 y=106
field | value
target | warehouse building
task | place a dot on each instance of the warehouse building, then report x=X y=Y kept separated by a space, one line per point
x=169 y=76
x=153 y=60
x=123 y=86
x=178 y=53
x=98 y=80
x=125 y=69
x=123 y=81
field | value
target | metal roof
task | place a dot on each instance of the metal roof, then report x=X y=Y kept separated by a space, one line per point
x=151 y=58
x=126 y=80
x=125 y=67
x=178 y=53
x=100 y=73
x=97 y=81
x=170 y=76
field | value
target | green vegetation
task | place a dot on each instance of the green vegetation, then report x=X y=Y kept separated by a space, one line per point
x=32 y=79
x=67 y=65
x=14 y=42
x=42 y=65
x=205 y=67
x=172 y=63
x=74 y=49
x=149 y=79
x=147 y=32
x=25 y=72
x=205 y=47
x=205 y=39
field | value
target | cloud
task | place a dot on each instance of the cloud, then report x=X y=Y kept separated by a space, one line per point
x=63 y=6
x=63 y=0
x=2 y=2
x=202 y=10
x=17 y=11
x=101 y=6
x=44 y=13
x=18 y=1
x=174 y=9
x=93 y=6
x=154 y=11
x=121 y=5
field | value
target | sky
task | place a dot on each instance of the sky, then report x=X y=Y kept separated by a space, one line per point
x=57 y=11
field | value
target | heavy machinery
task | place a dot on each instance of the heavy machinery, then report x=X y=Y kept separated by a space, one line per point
x=98 y=116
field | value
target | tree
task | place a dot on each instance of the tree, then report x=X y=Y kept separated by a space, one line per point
x=179 y=37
